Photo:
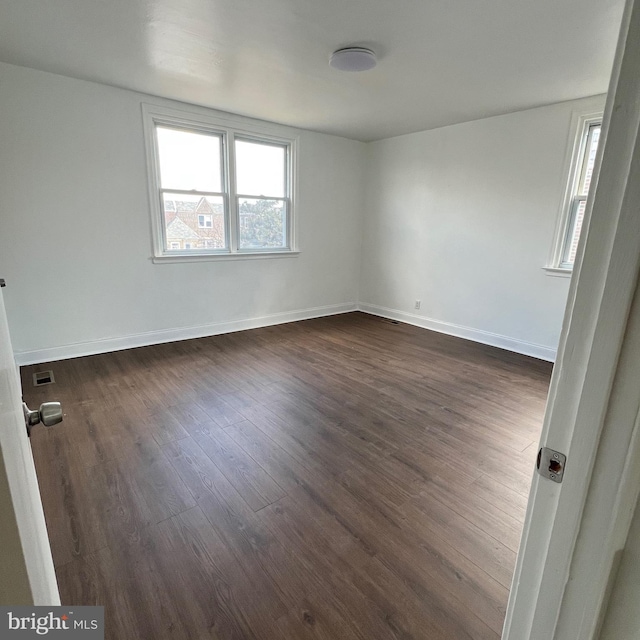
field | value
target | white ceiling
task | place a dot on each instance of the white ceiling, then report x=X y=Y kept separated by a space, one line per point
x=440 y=61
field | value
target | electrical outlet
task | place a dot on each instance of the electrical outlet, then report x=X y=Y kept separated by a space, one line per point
x=417 y=305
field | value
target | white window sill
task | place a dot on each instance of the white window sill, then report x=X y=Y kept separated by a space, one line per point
x=214 y=257
x=558 y=272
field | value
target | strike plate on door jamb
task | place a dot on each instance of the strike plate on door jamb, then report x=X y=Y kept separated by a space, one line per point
x=550 y=464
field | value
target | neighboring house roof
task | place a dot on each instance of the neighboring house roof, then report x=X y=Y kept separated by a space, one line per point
x=204 y=207
x=181 y=219
x=178 y=229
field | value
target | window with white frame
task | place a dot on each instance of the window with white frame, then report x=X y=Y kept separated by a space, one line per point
x=218 y=190
x=581 y=173
x=205 y=221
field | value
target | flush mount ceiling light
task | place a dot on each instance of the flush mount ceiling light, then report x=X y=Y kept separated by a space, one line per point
x=353 y=59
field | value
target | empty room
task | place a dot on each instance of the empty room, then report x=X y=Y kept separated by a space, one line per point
x=309 y=307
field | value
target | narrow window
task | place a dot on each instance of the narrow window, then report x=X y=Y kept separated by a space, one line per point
x=579 y=181
x=579 y=201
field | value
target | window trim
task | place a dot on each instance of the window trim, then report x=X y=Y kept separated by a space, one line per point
x=228 y=126
x=581 y=121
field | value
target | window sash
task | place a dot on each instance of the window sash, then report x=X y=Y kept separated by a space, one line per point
x=566 y=262
x=591 y=130
x=200 y=130
x=286 y=159
x=235 y=197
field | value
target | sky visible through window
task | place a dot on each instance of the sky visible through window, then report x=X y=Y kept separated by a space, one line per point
x=260 y=169
x=191 y=161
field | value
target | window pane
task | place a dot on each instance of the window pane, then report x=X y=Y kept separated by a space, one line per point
x=188 y=160
x=262 y=224
x=260 y=169
x=580 y=206
x=589 y=159
x=193 y=223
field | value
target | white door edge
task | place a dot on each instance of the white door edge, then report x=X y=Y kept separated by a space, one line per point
x=22 y=503
x=545 y=600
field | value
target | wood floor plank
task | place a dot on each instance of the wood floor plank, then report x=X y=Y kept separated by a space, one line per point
x=74 y=524
x=488 y=553
x=252 y=482
x=136 y=490
x=218 y=409
x=189 y=415
x=441 y=564
x=229 y=515
x=341 y=477
x=208 y=585
x=164 y=426
x=436 y=572
x=475 y=508
x=369 y=607
x=102 y=433
x=288 y=472
x=126 y=580
x=313 y=619
x=511 y=502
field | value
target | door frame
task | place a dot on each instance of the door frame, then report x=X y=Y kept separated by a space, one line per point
x=573 y=531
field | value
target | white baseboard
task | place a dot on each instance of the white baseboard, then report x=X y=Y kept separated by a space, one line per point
x=477 y=335
x=106 y=345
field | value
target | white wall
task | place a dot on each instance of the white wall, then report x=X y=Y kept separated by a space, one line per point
x=463 y=218
x=75 y=241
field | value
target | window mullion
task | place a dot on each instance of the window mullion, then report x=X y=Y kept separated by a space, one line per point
x=234 y=225
x=288 y=189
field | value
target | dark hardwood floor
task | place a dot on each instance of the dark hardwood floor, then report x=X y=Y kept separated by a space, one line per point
x=344 y=477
